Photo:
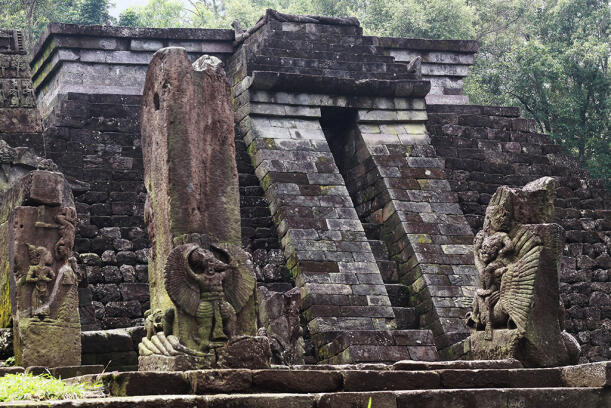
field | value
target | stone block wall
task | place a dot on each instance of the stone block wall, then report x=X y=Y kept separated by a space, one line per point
x=109 y=60
x=485 y=147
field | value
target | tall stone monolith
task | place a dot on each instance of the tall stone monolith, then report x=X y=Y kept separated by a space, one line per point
x=188 y=149
x=202 y=282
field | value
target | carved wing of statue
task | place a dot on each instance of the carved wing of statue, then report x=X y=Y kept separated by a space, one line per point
x=181 y=288
x=518 y=282
x=240 y=280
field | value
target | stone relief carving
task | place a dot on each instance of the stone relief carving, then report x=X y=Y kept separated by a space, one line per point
x=42 y=276
x=516 y=308
x=209 y=288
x=39 y=274
x=16 y=93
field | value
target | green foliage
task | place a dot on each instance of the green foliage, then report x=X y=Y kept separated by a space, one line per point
x=442 y=19
x=9 y=362
x=157 y=13
x=32 y=16
x=551 y=59
x=130 y=18
x=14 y=387
x=93 y=12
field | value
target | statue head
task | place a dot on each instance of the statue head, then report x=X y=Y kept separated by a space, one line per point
x=491 y=247
x=208 y=261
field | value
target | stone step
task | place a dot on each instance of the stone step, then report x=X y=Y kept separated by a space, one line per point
x=325 y=55
x=463 y=398
x=371 y=346
x=353 y=378
x=406 y=318
x=398 y=294
x=380 y=252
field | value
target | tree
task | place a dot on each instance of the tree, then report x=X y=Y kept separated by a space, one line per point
x=32 y=16
x=157 y=13
x=130 y=18
x=94 y=12
x=551 y=59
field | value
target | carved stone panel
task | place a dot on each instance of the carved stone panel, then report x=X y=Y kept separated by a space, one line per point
x=11 y=42
x=41 y=274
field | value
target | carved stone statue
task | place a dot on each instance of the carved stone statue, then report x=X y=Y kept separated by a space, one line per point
x=210 y=286
x=39 y=274
x=516 y=309
x=202 y=293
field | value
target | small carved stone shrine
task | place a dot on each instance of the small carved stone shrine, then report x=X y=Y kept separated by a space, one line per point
x=202 y=283
x=517 y=311
x=40 y=276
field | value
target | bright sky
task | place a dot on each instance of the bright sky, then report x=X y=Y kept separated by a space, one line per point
x=121 y=5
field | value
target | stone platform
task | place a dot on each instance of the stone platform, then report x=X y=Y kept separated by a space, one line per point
x=465 y=384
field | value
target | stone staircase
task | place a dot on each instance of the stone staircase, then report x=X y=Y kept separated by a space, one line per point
x=406 y=316
x=459 y=384
x=283 y=76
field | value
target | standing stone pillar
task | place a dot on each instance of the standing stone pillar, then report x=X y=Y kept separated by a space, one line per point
x=39 y=276
x=202 y=283
x=188 y=149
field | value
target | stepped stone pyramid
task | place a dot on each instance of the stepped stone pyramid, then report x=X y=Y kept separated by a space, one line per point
x=362 y=179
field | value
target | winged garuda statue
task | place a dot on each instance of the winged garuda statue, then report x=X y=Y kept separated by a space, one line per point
x=517 y=256
x=208 y=289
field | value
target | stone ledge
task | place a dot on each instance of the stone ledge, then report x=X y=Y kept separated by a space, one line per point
x=459 y=364
x=188 y=34
x=466 y=46
x=496 y=397
x=275 y=81
x=326 y=379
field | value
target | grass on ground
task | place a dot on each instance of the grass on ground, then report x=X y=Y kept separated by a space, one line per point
x=26 y=386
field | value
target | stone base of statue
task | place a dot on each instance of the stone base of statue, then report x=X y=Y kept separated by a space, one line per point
x=505 y=344
x=33 y=337
x=242 y=352
x=183 y=362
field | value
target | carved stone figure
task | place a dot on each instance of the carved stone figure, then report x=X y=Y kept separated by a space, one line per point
x=39 y=274
x=210 y=287
x=515 y=310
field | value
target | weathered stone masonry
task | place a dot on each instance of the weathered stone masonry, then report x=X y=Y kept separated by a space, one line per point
x=401 y=217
